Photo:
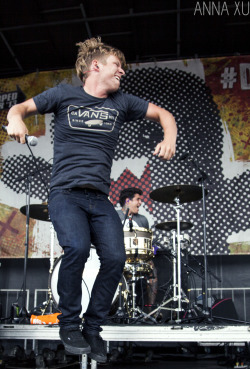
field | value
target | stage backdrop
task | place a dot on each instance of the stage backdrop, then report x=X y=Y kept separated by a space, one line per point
x=210 y=101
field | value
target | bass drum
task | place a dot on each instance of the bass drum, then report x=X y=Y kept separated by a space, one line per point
x=90 y=272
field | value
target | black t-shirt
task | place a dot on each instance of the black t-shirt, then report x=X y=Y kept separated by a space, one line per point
x=86 y=133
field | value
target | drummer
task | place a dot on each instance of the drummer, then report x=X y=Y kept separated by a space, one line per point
x=130 y=198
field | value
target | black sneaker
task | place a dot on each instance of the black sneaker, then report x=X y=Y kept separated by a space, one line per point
x=74 y=342
x=98 y=347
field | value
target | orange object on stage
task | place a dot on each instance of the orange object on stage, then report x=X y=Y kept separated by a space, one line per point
x=44 y=319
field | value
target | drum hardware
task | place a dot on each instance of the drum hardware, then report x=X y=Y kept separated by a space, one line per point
x=121 y=297
x=177 y=290
x=185 y=240
x=120 y=311
x=176 y=195
x=178 y=295
x=135 y=313
x=140 y=268
x=203 y=177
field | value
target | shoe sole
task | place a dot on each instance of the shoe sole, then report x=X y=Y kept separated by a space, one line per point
x=100 y=359
x=76 y=350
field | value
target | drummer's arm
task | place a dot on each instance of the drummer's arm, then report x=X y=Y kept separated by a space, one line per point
x=17 y=128
x=166 y=148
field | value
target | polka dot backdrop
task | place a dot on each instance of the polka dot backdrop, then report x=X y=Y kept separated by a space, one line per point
x=18 y=170
x=200 y=133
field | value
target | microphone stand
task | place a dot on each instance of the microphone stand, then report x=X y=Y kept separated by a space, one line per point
x=23 y=311
x=130 y=223
x=125 y=217
x=202 y=268
x=202 y=179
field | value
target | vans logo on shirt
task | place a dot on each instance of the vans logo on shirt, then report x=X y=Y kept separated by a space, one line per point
x=94 y=119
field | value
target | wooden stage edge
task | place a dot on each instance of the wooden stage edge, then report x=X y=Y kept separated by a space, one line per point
x=142 y=333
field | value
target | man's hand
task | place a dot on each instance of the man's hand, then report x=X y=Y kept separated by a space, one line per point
x=165 y=150
x=17 y=130
x=16 y=127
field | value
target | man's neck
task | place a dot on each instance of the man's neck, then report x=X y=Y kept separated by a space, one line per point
x=124 y=210
x=93 y=88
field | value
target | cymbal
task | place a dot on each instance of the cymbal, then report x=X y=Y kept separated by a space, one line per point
x=37 y=211
x=168 y=226
x=185 y=193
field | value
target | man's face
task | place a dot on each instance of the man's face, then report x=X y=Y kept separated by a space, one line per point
x=134 y=204
x=110 y=73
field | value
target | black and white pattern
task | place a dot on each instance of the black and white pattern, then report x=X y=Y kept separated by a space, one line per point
x=200 y=132
x=19 y=171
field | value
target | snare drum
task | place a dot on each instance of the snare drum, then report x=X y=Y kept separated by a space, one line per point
x=138 y=269
x=90 y=272
x=138 y=244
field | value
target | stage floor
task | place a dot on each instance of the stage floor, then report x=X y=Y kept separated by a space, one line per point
x=213 y=333
x=153 y=337
x=168 y=364
x=136 y=364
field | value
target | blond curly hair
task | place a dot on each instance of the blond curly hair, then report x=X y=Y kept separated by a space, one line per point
x=91 y=49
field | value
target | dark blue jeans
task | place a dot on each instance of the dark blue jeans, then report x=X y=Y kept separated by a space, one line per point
x=81 y=217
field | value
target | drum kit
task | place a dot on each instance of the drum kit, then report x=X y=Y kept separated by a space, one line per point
x=140 y=253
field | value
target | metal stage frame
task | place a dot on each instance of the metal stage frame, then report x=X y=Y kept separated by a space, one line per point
x=209 y=334
x=140 y=333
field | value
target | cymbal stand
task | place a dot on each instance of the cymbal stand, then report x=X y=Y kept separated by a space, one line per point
x=174 y=261
x=177 y=290
x=178 y=297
